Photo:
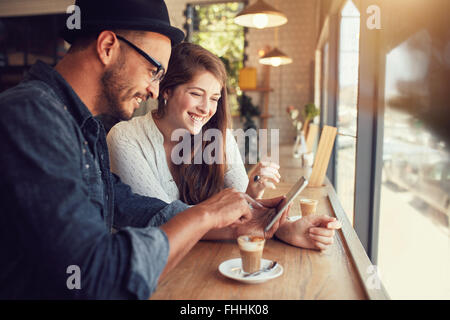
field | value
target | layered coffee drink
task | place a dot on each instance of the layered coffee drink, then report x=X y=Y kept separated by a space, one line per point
x=308 y=206
x=251 y=248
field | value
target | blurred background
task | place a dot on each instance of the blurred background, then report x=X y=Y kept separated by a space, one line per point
x=377 y=70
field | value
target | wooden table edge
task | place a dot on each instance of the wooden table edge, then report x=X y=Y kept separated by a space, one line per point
x=354 y=247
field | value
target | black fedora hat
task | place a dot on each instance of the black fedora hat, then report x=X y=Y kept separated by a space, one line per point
x=140 y=15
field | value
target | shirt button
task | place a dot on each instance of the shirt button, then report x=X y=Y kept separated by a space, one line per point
x=65 y=108
x=86 y=143
x=87 y=166
x=84 y=151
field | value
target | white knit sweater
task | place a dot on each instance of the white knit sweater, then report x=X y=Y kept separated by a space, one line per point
x=137 y=156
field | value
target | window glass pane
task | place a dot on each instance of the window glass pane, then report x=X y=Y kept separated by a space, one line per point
x=324 y=94
x=318 y=79
x=347 y=107
x=413 y=239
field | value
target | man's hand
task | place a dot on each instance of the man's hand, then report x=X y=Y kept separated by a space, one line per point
x=261 y=216
x=226 y=208
x=229 y=208
x=310 y=232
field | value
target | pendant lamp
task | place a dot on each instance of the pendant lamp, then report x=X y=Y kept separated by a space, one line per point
x=275 y=58
x=260 y=15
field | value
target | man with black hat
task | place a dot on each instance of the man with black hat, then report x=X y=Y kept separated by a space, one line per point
x=60 y=202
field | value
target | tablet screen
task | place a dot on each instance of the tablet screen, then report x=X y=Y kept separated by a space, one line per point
x=290 y=196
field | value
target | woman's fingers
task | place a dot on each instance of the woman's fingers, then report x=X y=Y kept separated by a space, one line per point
x=268 y=175
x=321 y=239
x=267 y=166
x=334 y=225
x=322 y=232
x=265 y=182
x=270 y=164
x=263 y=175
x=320 y=245
x=272 y=169
x=269 y=172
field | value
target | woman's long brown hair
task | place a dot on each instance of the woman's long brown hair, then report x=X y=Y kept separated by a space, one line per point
x=198 y=182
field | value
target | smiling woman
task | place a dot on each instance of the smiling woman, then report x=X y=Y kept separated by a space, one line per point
x=193 y=97
x=192 y=104
x=194 y=94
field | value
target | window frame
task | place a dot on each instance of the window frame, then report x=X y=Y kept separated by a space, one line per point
x=338 y=92
x=370 y=135
x=370 y=119
x=328 y=35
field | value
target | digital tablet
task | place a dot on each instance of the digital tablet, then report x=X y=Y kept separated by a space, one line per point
x=290 y=196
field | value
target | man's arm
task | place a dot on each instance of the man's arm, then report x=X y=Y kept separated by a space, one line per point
x=134 y=210
x=48 y=222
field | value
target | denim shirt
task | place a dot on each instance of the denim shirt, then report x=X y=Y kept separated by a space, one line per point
x=60 y=203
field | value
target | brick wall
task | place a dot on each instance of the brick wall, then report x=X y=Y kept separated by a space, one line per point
x=293 y=83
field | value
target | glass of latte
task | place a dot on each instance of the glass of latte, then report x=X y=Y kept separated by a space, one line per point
x=251 y=249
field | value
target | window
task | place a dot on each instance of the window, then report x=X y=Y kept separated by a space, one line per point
x=325 y=78
x=413 y=238
x=212 y=27
x=347 y=106
x=393 y=98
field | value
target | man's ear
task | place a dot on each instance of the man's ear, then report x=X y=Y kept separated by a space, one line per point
x=107 y=47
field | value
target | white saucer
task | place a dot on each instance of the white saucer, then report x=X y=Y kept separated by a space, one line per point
x=232 y=269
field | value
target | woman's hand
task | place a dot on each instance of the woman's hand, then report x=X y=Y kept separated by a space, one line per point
x=310 y=232
x=267 y=176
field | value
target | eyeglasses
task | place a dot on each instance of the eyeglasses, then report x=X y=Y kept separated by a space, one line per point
x=158 y=74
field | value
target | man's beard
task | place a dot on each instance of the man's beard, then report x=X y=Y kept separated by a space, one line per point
x=113 y=85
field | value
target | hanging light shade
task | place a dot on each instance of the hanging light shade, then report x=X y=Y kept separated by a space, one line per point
x=260 y=15
x=275 y=58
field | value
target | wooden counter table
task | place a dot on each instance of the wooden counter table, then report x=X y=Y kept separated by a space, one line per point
x=341 y=272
